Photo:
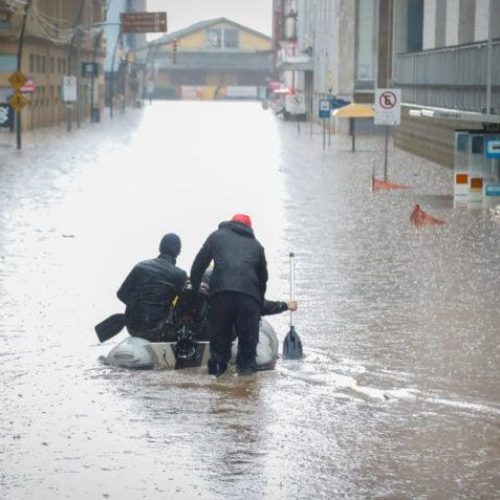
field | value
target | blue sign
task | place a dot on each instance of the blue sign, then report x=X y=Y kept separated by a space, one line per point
x=6 y=116
x=493 y=190
x=338 y=103
x=493 y=148
x=324 y=108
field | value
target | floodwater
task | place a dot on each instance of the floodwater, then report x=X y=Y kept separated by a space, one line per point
x=398 y=394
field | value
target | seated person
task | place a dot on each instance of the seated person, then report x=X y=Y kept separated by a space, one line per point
x=149 y=290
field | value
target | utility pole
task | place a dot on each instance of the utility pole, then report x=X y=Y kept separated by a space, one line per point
x=19 y=59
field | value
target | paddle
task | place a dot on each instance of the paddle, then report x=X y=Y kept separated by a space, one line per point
x=292 y=345
x=110 y=327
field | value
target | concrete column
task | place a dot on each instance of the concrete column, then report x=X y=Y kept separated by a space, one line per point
x=481 y=20
x=451 y=22
x=429 y=41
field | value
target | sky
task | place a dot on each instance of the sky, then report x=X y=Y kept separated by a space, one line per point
x=255 y=14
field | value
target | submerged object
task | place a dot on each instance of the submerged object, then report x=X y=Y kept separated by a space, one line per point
x=139 y=353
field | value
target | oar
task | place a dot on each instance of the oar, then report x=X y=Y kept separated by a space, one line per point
x=292 y=345
x=110 y=327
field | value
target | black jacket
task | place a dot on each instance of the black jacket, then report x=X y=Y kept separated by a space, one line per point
x=149 y=289
x=239 y=261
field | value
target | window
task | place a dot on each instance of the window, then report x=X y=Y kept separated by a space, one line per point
x=415 y=25
x=365 y=60
x=8 y=63
x=231 y=39
x=214 y=39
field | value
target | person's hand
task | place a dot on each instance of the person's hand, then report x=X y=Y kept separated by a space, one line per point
x=291 y=305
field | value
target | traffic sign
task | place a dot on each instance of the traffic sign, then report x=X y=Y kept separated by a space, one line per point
x=29 y=86
x=17 y=79
x=18 y=101
x=387 y=107
x=6 y=116
x=493 y=148
x=143 y=22
x=324 y=108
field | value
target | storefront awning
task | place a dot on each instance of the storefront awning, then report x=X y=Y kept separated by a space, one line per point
x=354 y=110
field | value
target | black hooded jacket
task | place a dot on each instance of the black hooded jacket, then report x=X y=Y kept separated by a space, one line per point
x=149 y=289
x=239 y=261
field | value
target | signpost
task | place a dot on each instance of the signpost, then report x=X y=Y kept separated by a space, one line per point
x=324 y=113
x=387 y=112
x=143 y=22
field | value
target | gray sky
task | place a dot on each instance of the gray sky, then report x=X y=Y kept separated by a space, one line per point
x=255 y=14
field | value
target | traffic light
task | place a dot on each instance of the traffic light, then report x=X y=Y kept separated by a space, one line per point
x=174 y=52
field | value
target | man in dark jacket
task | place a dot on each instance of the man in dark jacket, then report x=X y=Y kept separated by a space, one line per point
x=150 y=288
x=237 y=287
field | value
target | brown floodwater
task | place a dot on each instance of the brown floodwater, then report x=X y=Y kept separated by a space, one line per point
x=397 y=396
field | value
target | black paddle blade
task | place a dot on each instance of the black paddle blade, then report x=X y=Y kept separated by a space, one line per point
x=292 y=345
x=110 y=327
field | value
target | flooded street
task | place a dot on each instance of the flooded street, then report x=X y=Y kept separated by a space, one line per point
x=398 y=394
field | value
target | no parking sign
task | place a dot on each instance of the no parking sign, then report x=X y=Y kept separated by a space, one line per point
x=387 y=107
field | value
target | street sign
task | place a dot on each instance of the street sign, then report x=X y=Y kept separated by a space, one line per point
x=89 y=69
x=336 y=103
x=493 y=190
x=387 y=107
x=17 y=79
x=143 y=22
x=29 y=87
x=68 y=88
x=324 y=108
x=6 y=116
x=18 y=101
x=493 y=148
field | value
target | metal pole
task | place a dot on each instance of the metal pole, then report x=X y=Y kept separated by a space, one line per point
x=489 y=60
x=78 y=73
x=96 y=45
x=312 y=117
x=386 y=147
x=19 y=57
x=113 y=80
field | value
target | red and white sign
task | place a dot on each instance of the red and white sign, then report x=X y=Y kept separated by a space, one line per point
x=29 y=86
x=387 y=107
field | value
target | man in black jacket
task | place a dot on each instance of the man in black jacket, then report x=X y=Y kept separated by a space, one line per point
x=237 y=287
x=150 y=288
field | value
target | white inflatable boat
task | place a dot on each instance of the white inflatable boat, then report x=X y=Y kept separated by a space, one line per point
x=138 y=353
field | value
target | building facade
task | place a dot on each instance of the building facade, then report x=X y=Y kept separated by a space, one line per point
x=60 y=36
x=124 y=63
x=210 y=59
x=443 y=54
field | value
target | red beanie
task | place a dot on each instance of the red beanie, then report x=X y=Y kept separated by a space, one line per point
x=242 y=219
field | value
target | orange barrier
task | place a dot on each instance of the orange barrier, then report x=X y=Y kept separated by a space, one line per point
x=378 y=184
x=420 y=218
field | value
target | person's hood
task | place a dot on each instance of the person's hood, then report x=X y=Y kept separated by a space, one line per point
x=237 y=227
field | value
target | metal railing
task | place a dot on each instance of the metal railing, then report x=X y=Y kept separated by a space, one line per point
x=451 y=77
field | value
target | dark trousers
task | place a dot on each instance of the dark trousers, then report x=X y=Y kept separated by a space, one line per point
x=229 y=311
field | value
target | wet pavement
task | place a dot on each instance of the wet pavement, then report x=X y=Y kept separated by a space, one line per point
x=397 y=397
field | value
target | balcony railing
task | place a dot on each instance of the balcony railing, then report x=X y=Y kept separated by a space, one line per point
x=452 y=77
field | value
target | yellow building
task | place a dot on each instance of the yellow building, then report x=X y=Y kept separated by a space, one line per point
x=210 y=59
x=60 y=37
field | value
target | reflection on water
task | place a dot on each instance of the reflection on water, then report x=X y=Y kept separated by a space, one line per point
x=397 y=396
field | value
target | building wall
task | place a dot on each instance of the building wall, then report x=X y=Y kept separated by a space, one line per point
x=49 y=47
x=202 y=62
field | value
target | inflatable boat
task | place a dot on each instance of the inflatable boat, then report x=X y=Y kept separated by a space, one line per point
x=138 y=353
